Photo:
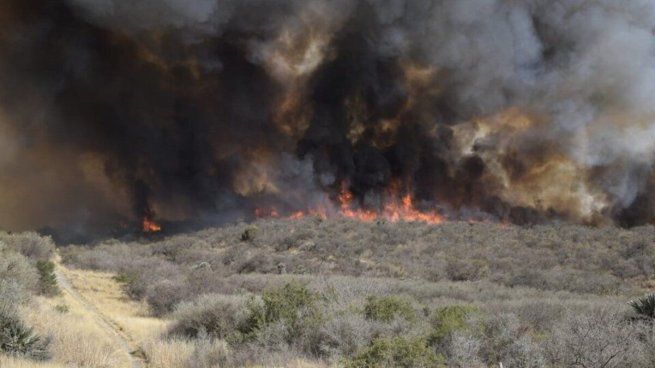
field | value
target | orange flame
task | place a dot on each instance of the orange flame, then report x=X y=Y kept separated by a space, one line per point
x=149 y=226
x=266 y=212
x=396 y=208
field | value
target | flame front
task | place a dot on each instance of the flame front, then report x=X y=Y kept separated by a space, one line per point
x=395 y=208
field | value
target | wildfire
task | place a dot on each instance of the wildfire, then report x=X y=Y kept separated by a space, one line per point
x=395 y=208
x=266 y=212
x=149 y=226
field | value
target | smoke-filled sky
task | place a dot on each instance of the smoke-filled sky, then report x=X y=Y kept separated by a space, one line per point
x=112 y=111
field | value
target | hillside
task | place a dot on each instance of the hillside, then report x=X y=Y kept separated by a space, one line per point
x=560 y=257
x=527 y=287
x=312 y=292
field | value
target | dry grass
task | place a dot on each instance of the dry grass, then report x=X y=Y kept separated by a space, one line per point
x=108 y=296
x=78 y=335
x=77 y=338
x=80 y=341
x=169 y=353
x=104 y=291
x=10 y=362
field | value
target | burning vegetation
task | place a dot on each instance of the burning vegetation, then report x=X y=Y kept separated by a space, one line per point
x=394 y=208
x=149 y=226
x=207 y=111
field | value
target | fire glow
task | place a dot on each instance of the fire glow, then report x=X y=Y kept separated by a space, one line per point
x=395 y=208
x=149 y=226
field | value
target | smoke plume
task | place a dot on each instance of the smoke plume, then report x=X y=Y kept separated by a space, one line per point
x=201 y=111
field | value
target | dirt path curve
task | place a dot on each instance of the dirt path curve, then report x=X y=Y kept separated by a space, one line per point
x=107 y=324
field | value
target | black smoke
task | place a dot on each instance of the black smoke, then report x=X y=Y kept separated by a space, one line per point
x=203 y=111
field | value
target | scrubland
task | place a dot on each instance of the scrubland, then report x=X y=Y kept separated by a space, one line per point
x=41 y=326
x=342 y=293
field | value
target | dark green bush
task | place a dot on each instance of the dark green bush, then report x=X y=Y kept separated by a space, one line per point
x=47 y=278
x=255 y=319
x=448 y=320
x=387 y=308
x=62 y=308
x=19 y=340
x=124 y=278
x=293 y=305
x=248 y=234
x=287 y=303
x=397 y=352
x=644 y=306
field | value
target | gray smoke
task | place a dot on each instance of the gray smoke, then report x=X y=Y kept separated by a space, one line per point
x=203 y=110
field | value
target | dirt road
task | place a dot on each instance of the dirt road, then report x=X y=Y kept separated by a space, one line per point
x=107 y=324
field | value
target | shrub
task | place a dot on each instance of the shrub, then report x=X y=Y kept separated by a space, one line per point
x=62 y=308
x=161 y=283
x=47 y=278
x=396 y=352
x=540 y=314
x=344 y=334
x=19 y=340
x=464 y=350
x=164 y=295
x=504 y=338
x=15 y=268
x=601 y=338
x=293 y=305
x=287 y=303
x=12 y=293
x=209 y=353
x=124 y=278
x=644 y=306
x=248 y=234
x=213 y=315
x=385 y=309
x=255 y=318
x=30 y=245
x=466 y=269
x=260 y=263
x=449 y=320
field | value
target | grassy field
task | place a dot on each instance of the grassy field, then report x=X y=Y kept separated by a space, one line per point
x=315 y=293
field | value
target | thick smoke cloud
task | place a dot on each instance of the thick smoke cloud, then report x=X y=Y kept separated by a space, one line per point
x=201 y=111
